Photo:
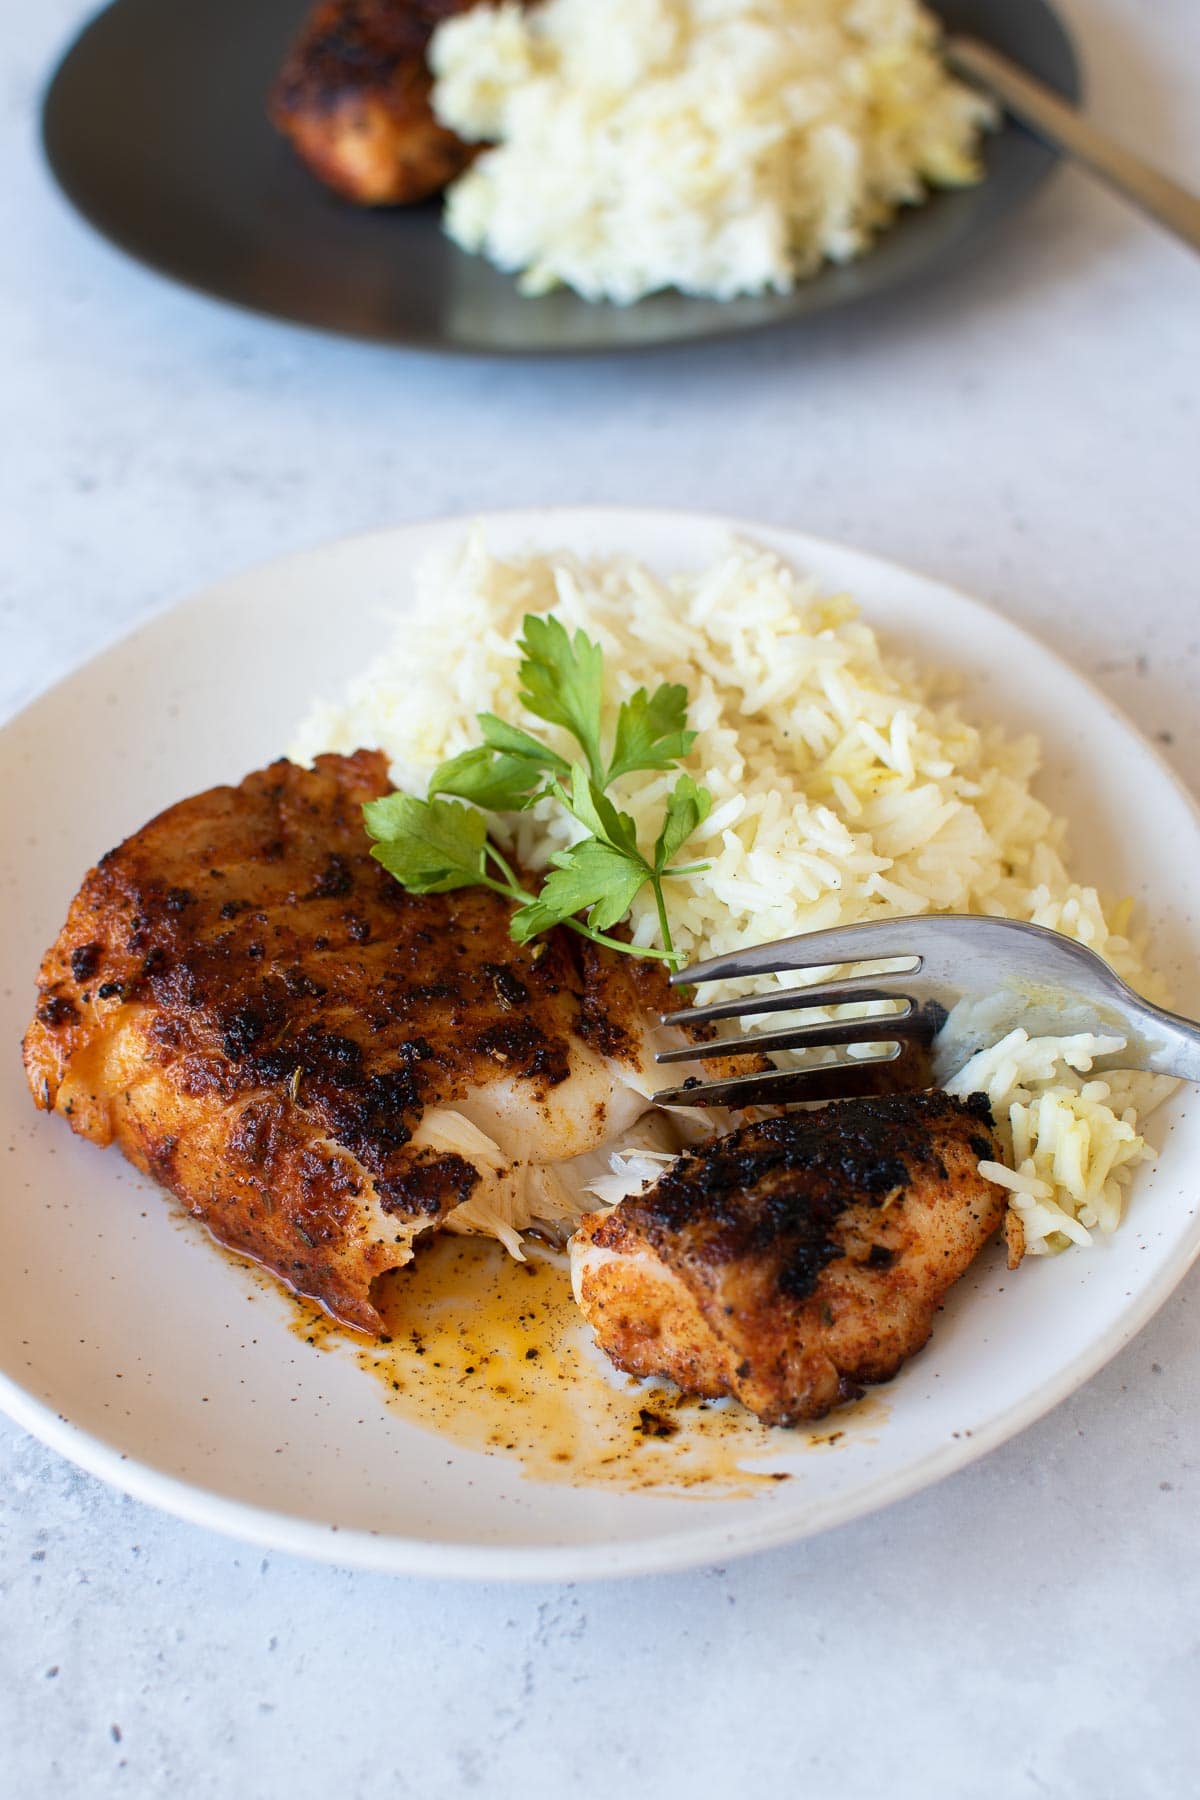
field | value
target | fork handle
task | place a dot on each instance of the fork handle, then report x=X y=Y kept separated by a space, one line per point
x=1067 y=129
x=1167 y=1043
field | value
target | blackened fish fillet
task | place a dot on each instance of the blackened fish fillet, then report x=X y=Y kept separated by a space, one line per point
x=320 y=1065
x=353 y=97
x=796 y=1260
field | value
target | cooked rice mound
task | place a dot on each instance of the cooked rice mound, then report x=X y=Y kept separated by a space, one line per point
x=717 y=146
x=846 y=786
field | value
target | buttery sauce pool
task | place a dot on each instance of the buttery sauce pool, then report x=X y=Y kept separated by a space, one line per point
x=494 y=1355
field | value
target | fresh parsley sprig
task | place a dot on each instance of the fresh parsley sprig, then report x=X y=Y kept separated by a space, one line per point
x=437 y=844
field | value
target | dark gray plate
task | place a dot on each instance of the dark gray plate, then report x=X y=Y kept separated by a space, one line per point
x=154 y=126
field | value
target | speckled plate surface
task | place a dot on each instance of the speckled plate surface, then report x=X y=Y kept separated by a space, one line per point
x=155 y=128
x=136 y=1350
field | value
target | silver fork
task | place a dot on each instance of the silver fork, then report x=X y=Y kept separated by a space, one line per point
x=966 y=982
x=1047 y=114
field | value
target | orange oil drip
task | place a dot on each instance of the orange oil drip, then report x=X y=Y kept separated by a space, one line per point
x=494 y=1355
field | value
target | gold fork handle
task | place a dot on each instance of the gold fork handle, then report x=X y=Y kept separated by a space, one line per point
x=1061 y=125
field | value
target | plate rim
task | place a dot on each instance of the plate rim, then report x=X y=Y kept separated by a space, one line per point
x=428 y=343
x=250 y=1522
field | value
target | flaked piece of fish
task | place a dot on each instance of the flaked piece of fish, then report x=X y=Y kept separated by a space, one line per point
x=794 y=1261
x=319 y=1064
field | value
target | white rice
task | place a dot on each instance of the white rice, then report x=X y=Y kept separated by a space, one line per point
x=717 y=146
x=846 y=786
x=1071 y=1145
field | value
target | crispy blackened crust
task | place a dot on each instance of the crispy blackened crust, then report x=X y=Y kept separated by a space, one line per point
x=795 y=1260
x=779 y=1188
x=259 y=1016
x=353 y=97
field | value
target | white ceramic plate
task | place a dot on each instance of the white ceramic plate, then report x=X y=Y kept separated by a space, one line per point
x=130 y=1346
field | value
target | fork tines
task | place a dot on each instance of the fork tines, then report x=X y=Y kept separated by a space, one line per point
x=884 y=940
x=822 y=1034
x=885 y=1033
x=774 y=1087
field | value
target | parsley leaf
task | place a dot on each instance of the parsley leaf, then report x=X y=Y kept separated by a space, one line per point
x=651 y=731
x=561 y=680
x=592 y=807
x=504 y=773
x=591 y=877
x=434 y=845
x=514 y=742
x=492 y=780
x=430 y=846
x=687 y=808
